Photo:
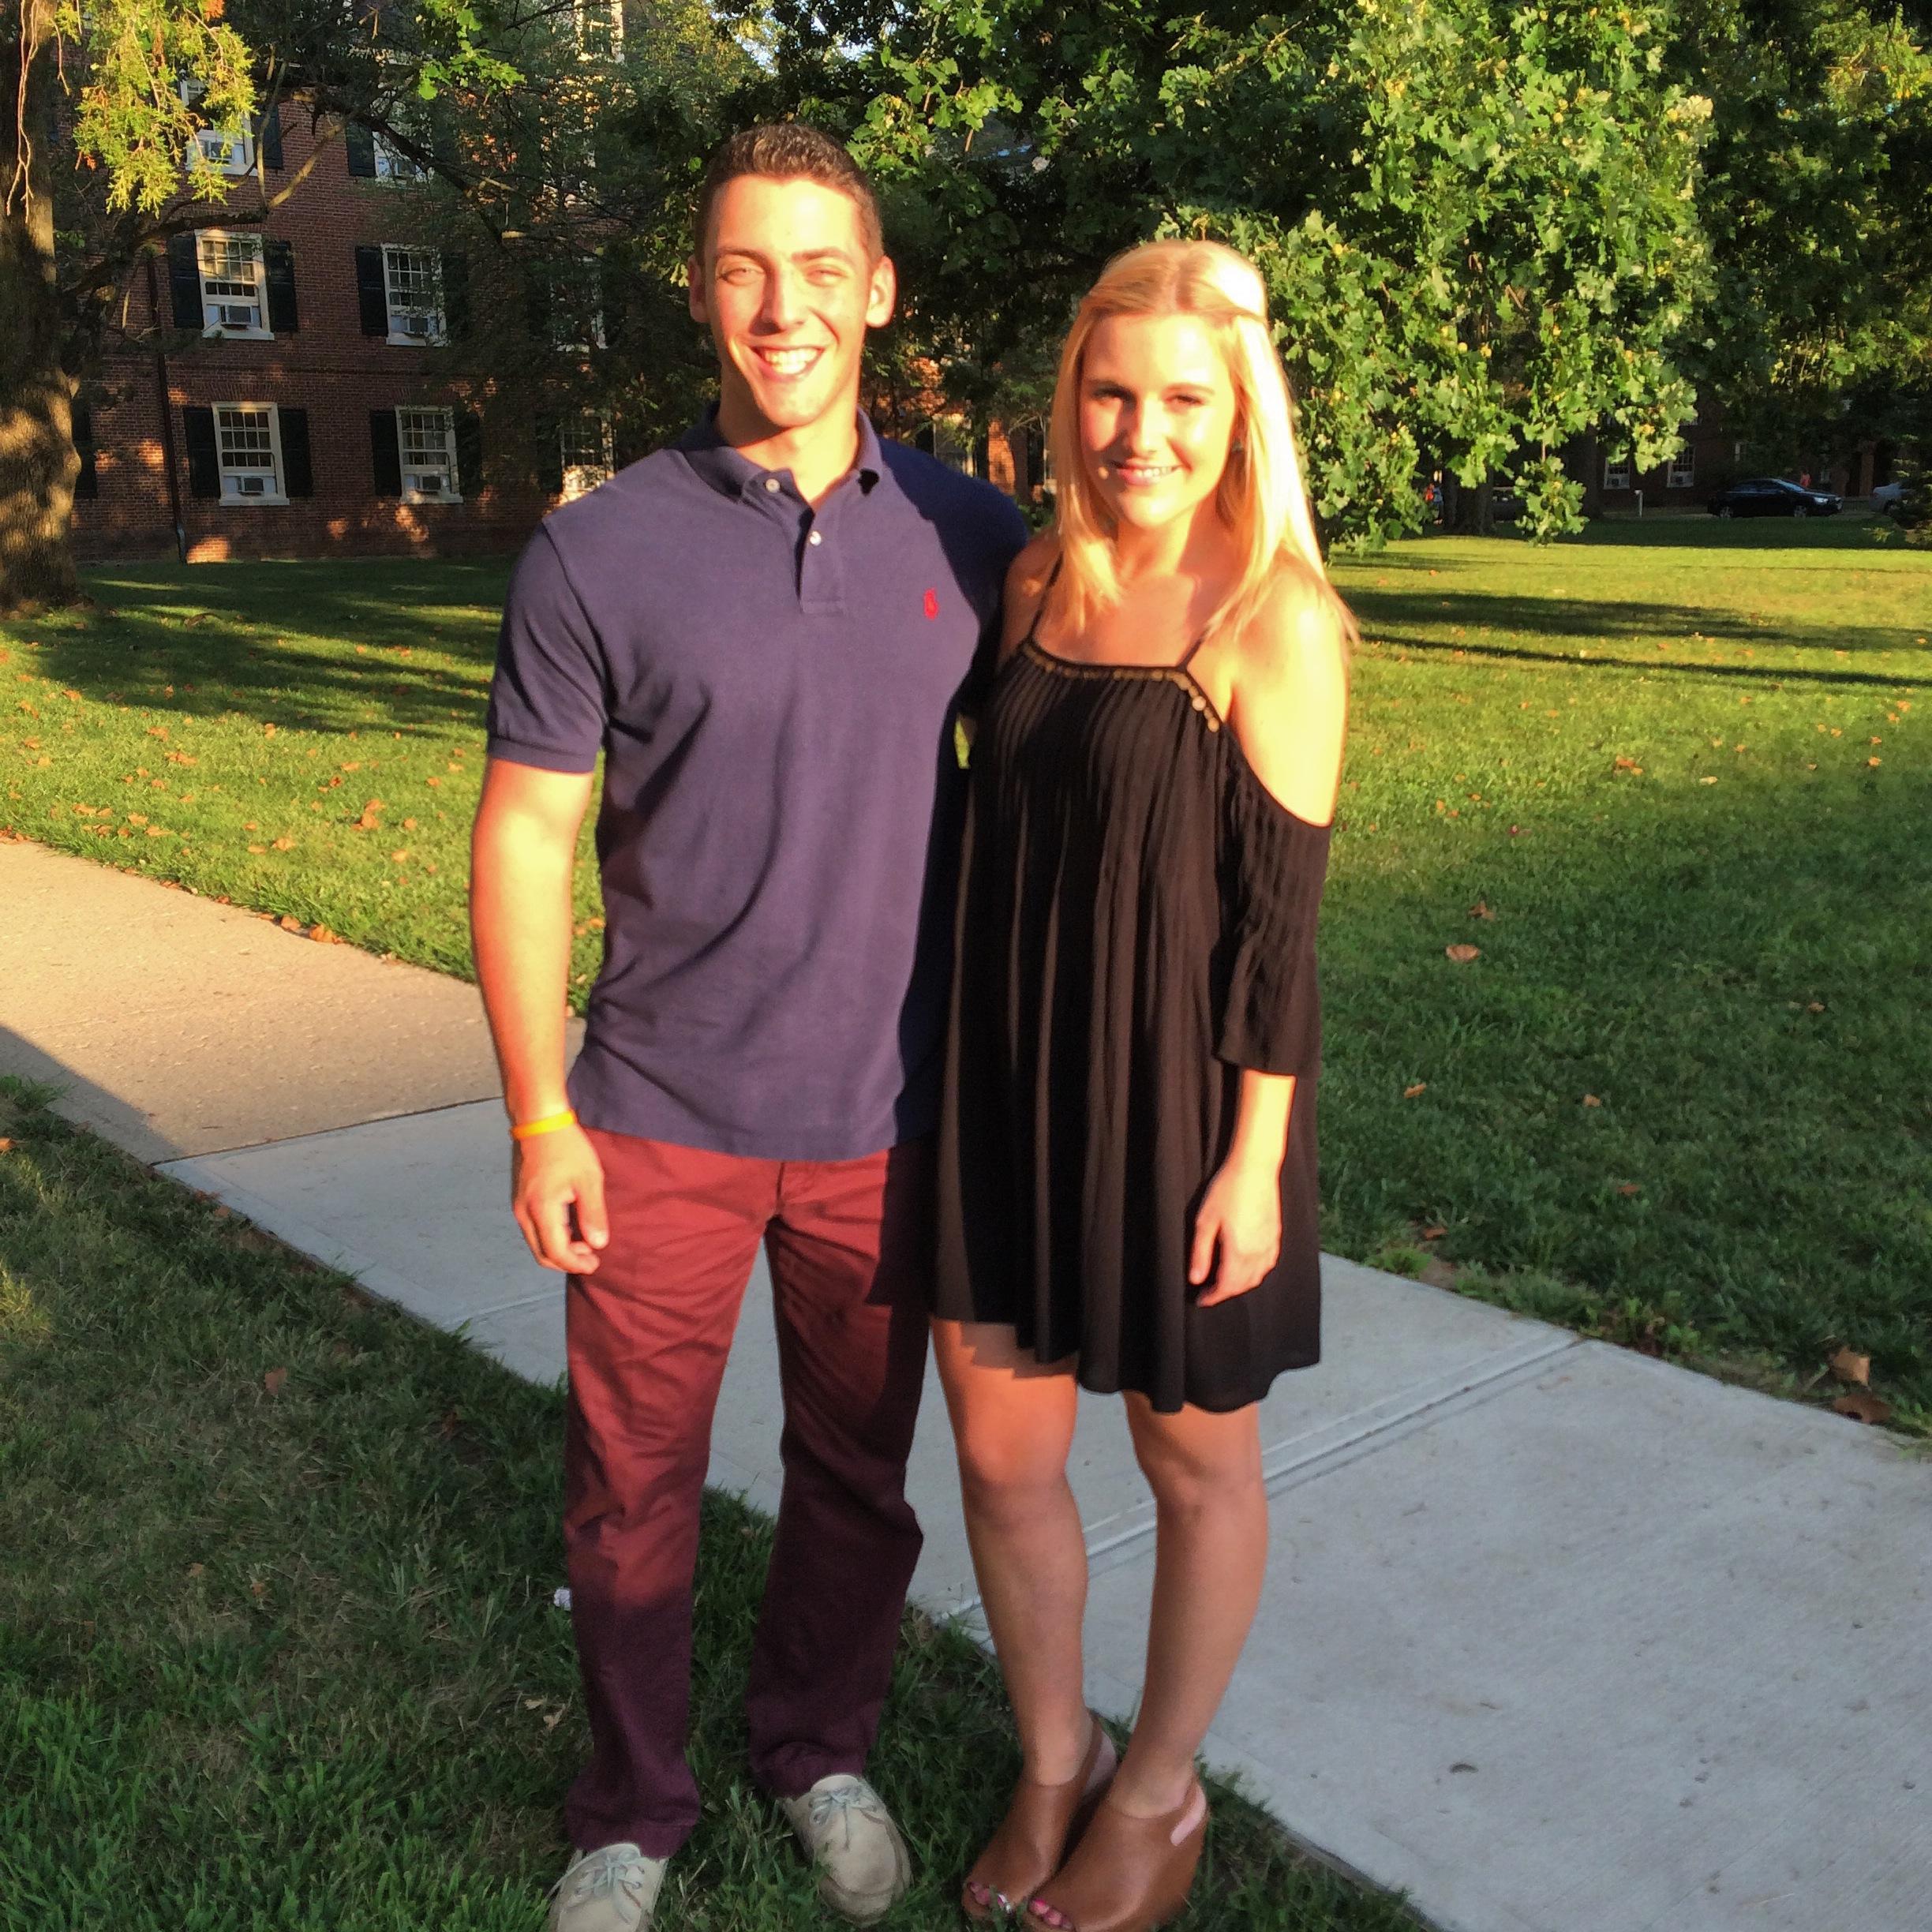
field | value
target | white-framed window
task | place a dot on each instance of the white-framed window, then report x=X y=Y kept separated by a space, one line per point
x=235 y=289
x=599 y=26
x=585 y=444
x=234 y=154
x=1682 y=472
x=248 y=445
x=1616 y=473
x=577 y=305
x=426 y=442
x=412 y=277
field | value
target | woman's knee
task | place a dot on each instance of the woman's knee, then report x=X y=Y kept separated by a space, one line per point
x=1194 y=1472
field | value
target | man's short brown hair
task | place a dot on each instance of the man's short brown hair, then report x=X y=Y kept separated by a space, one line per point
x=789 y=151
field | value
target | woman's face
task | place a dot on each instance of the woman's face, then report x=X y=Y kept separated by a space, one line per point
x=1156 y=413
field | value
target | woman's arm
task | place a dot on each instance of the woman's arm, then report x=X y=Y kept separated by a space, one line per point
x=1289 y=709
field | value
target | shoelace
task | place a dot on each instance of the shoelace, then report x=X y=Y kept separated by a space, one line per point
x=603 y=1876
x=828 y=1805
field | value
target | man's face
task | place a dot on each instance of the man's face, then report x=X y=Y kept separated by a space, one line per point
x=788 y=288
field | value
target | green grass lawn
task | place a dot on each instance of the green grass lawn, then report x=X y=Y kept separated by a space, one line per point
x=1681 y=1098
x=277 y=1642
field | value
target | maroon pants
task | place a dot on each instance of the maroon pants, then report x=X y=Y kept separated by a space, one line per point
x=848 y=1245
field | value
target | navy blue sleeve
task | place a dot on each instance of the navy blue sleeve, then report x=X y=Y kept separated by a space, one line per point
x=547 y=703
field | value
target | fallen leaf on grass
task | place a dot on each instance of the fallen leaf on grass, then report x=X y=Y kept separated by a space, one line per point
x=1591 y=1100
x=196 y=1569
x=273 y=1380
x=1434 y=1233
x=1481 y=910
x=1420 y=1087
x=290 y=924
x=1463 y=954
x=1864 y=1408
x=6 y=1144
x=1628 y=764
x=1815 y=1006
x=1628 y=1188
x=322 y=936
x=258 y=1589
x=285 y=845
x=1849 y=1366
x=268 y=730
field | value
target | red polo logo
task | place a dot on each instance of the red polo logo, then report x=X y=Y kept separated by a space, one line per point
x=932 y=603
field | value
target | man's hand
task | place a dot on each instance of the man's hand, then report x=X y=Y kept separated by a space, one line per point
x=556 y=1191
x=1239 y=1223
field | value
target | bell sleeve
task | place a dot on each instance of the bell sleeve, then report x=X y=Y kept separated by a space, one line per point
x=1271 y=1014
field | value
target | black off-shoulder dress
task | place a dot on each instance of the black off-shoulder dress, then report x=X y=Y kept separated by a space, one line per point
x=1136 y=925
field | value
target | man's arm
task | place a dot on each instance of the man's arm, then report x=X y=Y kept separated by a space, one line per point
x=521 y=854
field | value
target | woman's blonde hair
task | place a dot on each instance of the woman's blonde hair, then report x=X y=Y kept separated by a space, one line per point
x=1262 y=497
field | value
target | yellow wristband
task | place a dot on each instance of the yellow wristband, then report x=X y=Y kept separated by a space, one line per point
x=528 y=1130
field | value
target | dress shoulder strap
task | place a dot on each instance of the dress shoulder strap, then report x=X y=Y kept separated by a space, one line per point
x=1187 y=657
x=1053 y=577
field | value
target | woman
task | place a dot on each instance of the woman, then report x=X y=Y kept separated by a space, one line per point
x=1128 y=1157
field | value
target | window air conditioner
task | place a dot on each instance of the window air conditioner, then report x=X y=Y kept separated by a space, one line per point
x=250 y=485
x=427 y=485
x=236 y=314
x=418 y=324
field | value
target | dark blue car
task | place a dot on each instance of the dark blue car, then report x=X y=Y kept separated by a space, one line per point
x=1773 y=496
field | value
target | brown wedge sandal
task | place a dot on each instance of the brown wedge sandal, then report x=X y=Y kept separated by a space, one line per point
x=1130 y=1874
x=1042 y=1825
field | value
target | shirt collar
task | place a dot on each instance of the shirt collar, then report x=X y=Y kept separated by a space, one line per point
x=729 y=470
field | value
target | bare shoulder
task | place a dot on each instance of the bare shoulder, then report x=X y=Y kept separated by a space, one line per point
x=1289 y=703
x=1027 y=577
x=1299 y=633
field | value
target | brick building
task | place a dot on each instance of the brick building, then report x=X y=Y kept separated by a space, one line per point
x=1712 y=457
x=317 y=386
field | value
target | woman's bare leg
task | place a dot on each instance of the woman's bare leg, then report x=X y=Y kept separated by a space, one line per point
x=1013 y=1422
x=1211 y=1554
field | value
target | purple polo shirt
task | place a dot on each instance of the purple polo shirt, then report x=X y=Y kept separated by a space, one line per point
x=774 y=689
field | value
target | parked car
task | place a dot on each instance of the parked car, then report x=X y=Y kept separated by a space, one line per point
x=1886 y=495
x=1911 y=505
x=1773 y=496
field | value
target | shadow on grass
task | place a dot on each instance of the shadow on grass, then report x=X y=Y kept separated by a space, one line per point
x=1692 y=1064
x=277 y=643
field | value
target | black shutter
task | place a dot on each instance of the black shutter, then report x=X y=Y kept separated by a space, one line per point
x=613 y=286
x=536 y=302
x=385 y=452
x=371 y=291
x=184 y=281
x=278 y=258
x=549 y=454
x=268 y=136
x=360 y=144
x=88 y=483
x=469 y=452
x=297 y=472
x=455 y=292
x=203 y=464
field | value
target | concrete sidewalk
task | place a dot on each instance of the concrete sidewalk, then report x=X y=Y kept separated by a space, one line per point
x=1555 y=1637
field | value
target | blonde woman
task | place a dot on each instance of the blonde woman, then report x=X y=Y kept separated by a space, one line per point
x=1127 y=1197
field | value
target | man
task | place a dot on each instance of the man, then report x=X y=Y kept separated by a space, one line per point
x=764 y=630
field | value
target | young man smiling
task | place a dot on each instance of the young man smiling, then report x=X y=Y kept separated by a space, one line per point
x=764 y=630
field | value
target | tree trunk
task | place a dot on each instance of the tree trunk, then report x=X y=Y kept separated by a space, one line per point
x=38 y=464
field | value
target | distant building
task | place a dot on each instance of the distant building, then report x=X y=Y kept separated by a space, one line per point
x=1712 y=457
x=332 y=399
